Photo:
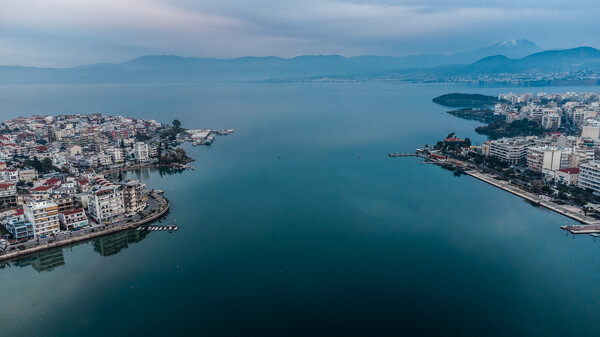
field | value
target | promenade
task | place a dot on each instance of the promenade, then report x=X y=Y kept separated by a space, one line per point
x=158 y=206
x=507 y=186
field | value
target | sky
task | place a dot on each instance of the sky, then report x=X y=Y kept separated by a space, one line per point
x=63 y=33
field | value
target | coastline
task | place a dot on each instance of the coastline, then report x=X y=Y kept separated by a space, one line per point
x=6 y=256
x=588 y=224
x=508 y=187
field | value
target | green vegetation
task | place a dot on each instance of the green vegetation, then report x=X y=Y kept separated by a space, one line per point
x=517 y=128
x=44 y=166
x=177 y=156
x=172 y=132
x=485 y=115
x=459 y=100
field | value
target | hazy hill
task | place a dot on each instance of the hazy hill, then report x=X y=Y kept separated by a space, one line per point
x=161 y=68
x=542 y=62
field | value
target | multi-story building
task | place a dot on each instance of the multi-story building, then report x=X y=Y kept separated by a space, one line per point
x=541 y=158
x=8 y=195
x=27 y=174
x=105 y=203
x=20 y=229
x=567 y=176
x=10 y=175
x=73 y=219
x=116 y=154
x=135 y=196
x=65 y=202
x=43 y=214
x=511 y=150
x=141 y=152
x=551 y=121
x=589 y=175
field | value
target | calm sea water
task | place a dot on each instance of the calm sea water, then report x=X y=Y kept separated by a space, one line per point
x=299 y=225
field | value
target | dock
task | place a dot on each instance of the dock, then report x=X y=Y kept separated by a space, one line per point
x=582 y=229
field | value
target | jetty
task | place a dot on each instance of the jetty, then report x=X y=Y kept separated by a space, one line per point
x=582 y=229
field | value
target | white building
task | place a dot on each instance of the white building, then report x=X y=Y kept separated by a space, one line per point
x=589 y=175
x=511 y=150
x=551 y=121
x=43 y=214
x=548 y=158
x=141 y=152
x=105 y=203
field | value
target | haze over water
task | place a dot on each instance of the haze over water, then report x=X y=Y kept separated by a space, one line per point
x=299 y=224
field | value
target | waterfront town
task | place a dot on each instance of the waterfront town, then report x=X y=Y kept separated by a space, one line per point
x=555 y=164
x=61 y=176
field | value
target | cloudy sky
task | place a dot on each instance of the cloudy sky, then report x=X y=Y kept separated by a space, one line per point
x=74 y=32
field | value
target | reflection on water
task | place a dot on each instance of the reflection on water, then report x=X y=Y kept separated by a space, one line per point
x=112 y=244
x=105 y=246
x=45 y=261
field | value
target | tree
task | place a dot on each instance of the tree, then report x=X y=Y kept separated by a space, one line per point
x=122 y=144
x=536 y=186
x=120 y=177
x=47 y=165
x=467 y=142
x=451 y=135
x=176 y=123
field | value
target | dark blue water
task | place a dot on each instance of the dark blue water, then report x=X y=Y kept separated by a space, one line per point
x=299 y=225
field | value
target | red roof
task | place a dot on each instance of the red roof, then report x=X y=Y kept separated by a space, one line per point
x=41 y=188
x=570 y=170
x=41 y=148
x=458 y=140
x=75 y=211
x=4 y=185
x=83 y=182
x=52 y=181
x=18 y=211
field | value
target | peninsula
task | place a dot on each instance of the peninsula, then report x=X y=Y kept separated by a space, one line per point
x=61 y=176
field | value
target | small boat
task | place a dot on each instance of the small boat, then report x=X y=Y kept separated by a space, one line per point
x=596 y=235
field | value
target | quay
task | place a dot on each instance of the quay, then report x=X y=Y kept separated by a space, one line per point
x=588 y=224
x=579 y=229
x=507 y=186
x=161 y=206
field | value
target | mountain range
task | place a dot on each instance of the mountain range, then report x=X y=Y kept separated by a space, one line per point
x=510 y=56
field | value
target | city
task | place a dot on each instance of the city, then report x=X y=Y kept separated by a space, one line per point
x=557 y=161
x=61 y=177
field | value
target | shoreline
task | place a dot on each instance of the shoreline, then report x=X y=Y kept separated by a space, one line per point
x=588 y=225
x=7 y=256
x=508 y=187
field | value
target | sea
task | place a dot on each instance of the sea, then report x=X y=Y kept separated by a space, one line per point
x=299 y=224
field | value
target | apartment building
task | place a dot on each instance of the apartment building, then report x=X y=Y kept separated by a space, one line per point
x=105 y=203
x=135 y=196
x=43 y=214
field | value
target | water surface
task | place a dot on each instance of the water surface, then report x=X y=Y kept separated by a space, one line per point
x=299 y=224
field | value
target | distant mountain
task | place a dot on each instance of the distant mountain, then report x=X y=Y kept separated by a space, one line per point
x=542 y=62
x=514 y=48
x=165 y=68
